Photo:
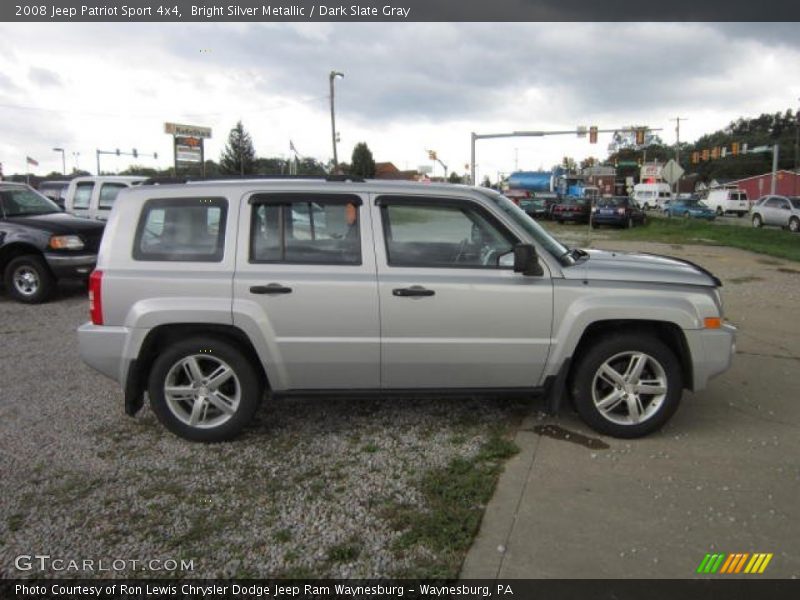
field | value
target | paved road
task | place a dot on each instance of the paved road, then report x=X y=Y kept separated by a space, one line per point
x=723 y=476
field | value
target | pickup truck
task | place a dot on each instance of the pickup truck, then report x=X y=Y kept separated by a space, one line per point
x=208 y=295
x=40 y=244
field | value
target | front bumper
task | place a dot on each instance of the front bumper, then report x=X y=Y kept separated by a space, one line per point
x=71 y=266
x=712 y=352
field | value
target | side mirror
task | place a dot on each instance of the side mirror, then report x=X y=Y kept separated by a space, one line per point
x=526 y=261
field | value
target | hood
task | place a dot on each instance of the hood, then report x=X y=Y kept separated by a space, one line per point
x=60 y=223
x=639 y=267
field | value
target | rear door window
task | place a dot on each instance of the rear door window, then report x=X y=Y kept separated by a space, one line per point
x=305 y=229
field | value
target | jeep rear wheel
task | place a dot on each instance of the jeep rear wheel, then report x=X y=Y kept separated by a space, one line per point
x=794 y=224
x=28 y=279
x=627 y=385
x=204 y=389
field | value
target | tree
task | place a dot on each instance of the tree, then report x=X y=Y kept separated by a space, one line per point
x=238 y=157
x=455 y=178
x=486 y=181
x=362 y=163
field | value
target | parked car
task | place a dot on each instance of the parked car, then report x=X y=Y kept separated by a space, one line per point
x=55 y=190
x=692 y=208
x=572 y=209
x=619 y=210
x=93 y=197
x=728 y=201
x=782 y=211
x=40 y=244
x=204 y=297
x=538 y=208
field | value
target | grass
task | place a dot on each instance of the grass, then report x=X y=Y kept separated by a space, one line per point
x=455 y=498
x=772 y=242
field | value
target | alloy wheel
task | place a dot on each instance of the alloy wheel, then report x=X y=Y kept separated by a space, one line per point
x=629 y=388
x=202 y=391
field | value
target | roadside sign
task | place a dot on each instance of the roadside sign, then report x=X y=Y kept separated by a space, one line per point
x=672 y=172
x=187 y=130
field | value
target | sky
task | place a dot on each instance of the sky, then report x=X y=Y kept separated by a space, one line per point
x=408 y=87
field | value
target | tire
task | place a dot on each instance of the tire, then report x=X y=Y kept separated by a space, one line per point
x=616 y=351
x=794 y=225
x=187 y=366
x=719 y=211
x=757 y=221
x=28 y=279
x=629 y=223
x=646 y=206
x=595 y=225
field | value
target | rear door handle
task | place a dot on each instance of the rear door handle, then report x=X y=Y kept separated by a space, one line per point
x=272 y=288
x=414 y=290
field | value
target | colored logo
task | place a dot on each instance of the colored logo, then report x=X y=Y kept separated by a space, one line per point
x=734 y=563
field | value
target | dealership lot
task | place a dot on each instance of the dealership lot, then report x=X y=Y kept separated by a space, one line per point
x=309 y=489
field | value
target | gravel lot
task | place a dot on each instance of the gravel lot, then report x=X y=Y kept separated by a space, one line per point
x=308 y=491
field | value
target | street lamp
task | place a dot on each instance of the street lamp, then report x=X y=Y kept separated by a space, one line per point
x=75 y=156
x=333 y=75
x=63 y=160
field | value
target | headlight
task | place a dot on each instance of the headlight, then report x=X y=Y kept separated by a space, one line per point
x=66 y=242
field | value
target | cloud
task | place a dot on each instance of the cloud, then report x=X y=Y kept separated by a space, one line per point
x=44 y=78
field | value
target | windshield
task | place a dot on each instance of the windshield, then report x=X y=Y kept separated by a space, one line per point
x=551 y=244
x=23 y=201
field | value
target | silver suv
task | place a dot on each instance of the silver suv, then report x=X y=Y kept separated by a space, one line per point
x=208 y=295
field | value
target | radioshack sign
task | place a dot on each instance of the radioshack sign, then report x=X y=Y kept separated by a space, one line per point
x=187 y=130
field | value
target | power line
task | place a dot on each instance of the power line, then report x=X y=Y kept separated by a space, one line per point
x=160 y=115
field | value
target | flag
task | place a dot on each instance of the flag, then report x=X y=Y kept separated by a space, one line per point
x=33 y=162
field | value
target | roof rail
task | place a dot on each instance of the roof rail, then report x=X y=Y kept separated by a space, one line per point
x=352 y=178
x=164 y=180
x=168 y=180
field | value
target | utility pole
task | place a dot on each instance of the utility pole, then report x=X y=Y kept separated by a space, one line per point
x=333 y=75
x=678 y=144
x=796 y=148
x=775 y=150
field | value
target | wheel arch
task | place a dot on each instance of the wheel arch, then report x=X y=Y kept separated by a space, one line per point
x=164 y=335
x=667 y=332
x=16 y=249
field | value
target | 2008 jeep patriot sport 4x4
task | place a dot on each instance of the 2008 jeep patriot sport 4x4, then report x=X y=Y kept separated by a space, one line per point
x=206 y=295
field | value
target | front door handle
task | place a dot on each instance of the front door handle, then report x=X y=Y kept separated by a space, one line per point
x=272 y=288
x=414 y=290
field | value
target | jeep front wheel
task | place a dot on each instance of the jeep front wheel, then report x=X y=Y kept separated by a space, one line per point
x=627 y=385
x=204 y=389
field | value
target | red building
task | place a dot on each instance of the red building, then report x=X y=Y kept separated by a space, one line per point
x=787 y=183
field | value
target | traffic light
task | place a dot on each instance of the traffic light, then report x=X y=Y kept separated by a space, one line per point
x=135 y=153
x=155 y=155
x=640 y=136
x=593 y=134
x=117 y=151
x=734 y=148
x=432 y=154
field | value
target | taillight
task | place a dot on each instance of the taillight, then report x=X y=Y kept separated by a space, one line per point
x=96 y=297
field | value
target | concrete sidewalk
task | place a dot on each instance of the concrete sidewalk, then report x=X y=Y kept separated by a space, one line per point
x=723 y=476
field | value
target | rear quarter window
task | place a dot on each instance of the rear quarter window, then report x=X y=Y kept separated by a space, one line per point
x=182 y=230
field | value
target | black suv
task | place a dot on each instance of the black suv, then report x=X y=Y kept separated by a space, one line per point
x=39 y=243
